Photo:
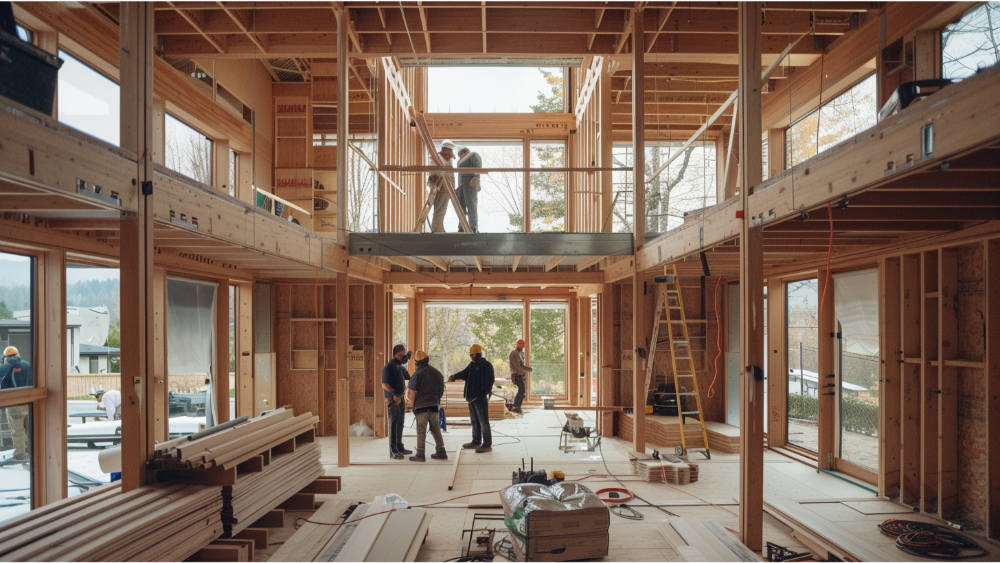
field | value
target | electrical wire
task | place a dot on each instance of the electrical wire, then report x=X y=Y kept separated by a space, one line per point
x=604 y=461
x=718 y=341
x=829 y=255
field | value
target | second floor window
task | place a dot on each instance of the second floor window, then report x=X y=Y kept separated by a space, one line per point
x=188 y=151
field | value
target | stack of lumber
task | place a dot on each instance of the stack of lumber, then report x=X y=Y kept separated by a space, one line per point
x=665 y=431
x=226 y=449
x=254 y=494
x=723 y=438
x=373 y=532
x=456 y=407
x=704 y=540
x=674 y=471
x=151 y=523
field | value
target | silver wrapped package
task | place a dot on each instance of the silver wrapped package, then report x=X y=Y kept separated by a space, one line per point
x=563 y=508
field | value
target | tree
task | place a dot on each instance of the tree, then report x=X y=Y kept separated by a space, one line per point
x=187 y=151
x=114 y=340
x=448 y=338
x=505 y=189
x=496 y=330
x=361 y=191
x=844 y=116
x=972 y=43
x=553 y=101
x=548 y=189
x=399 y=322
x=5 y=313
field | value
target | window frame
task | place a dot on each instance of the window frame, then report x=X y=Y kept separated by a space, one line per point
x=786 y=139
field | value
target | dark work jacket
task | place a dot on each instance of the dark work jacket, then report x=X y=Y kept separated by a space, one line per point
x=478 y=377
x=15 y=373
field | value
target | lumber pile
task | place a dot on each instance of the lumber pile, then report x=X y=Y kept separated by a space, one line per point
x=379 y=531
x=704 y=540
x=723 y=438
x=663 y=471
x=225 y=550
x=664 y=431
x=153 y=523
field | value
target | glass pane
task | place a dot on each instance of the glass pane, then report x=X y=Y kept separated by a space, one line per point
x=856 y=303
x=15 y=453
x=686 y=185
x=621 y=214
x=547 y=350
x=548 y=189
x=362 y=214
x=452 y=327
x=399 y=321
x=500 y=201
x=25 y=34
x=233 y=164
x=970 y=44
x=187 y=151
x=495 y=89
x=88 y=100
x=16 y=306
x=842 y=117
x=190 y=345
x=803 y=363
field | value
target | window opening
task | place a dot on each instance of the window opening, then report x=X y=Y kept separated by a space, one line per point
x=187 y=150
x=802 y=329
x=493 y=89
x=840 y=118
x=88 y=100
x=971 y=44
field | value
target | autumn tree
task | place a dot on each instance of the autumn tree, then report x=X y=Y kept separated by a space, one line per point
x=361 y=192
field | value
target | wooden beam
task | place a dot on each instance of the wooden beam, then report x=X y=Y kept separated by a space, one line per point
x=343 y=119
x=244 y=26
x=929 y=381
x=197 y=21
x=50 y=421
x=663 y=15
x=890 y=378
x=992 y=371
x=751 y=287
x=911 y=303
x=553 y=262
x=343 y=377
x=136 y=253
x=948 y=383
x=639 y=391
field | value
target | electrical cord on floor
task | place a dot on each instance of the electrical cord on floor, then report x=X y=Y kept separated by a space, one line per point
x=606 y=468
x=516 y=439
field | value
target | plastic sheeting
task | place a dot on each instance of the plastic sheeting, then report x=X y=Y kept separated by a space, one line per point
x=558 y=497
x=856 y=302
x=190 y=327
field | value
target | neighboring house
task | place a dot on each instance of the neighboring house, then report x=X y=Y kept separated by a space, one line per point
x=85 y=326
x=97 y=359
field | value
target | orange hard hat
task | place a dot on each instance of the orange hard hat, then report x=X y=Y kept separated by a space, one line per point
x=520 y=343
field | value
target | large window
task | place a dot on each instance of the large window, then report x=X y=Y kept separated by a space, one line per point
x=190 y=354
x=802 y=329
x=452 y=327
x=88 y=100
x=501 y=199
x=548 y=189
x=188 y=151
x=547 y=349
x=495 y=89
x=842 y=117
x=687 y=184
x=400 y=316
x=971 y=44
x=856 y=305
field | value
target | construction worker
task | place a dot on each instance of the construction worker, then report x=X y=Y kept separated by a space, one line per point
x=16 y=373
x=394 y=376
x=437 y=181
x=110 y=402
x=469 y=186
x=518 y=372
x=426 y=389
x=478 y=377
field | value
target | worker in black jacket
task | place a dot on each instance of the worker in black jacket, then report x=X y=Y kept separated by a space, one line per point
x=478 y=377
x=15 y=373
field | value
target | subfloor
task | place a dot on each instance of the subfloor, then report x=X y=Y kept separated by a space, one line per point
x=536 y=435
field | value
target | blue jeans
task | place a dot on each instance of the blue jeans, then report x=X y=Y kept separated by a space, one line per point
x=468 y=199
x=479 y=410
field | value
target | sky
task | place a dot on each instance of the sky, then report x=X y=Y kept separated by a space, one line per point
x=496 y=89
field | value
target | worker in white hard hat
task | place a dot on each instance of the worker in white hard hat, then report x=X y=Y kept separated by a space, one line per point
x=437 y=180
x=15 y=373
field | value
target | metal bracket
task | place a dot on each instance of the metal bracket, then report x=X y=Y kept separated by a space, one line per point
x=96 y=193
x=183 y=221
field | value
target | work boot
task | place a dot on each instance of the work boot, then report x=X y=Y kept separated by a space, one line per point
x=418 y=458
x=439 y=456
x=405 y=451
x=470 y=446
x=396 y=456
x=483 y=449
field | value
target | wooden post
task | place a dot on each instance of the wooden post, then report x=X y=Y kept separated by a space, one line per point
x=992 y=364
x=827 y=342
x=751 y=285
x=50 y=422
x=947 y=384
x=573 y=354
x=383 y=324
x=911 y=303
x=606 y=151
x=343 y=375
x=777 y=377
x=890 y=378
x=244 y=349
x=585 y=312
x=220 y=383
x=606 y=360
x=161 y=407
x=343 y=116
x=639 y=390
x=775 y=152
x=136 y=254
x=220 y=166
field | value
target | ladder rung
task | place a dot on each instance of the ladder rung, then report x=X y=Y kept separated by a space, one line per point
x=671 y=291
x=685 y=375
x=683 y=357
x=690 y=412
x=684 y=394
x=681 y=342
x=674 y=307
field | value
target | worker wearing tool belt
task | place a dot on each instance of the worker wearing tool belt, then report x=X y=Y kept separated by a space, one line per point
x=478 y=377
x=426 y=388
x=394 y=378
x=518 y=372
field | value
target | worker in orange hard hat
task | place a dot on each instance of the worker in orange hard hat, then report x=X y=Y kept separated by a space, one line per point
x=15 y=373
x=518 y=372
x=478 y=377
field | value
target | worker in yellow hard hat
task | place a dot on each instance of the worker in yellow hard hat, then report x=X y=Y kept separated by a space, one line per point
x=426 y=389
x=478 y=377
x=15 y=373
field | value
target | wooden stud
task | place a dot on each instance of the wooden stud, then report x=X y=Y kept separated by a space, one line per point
x=573 y=353
x=751 y=285
x=777 y=377
x=383 y=325
x=50 y=421
x=273 y=519
x=136 y=254
x=606 y=361
x=638 y=232
x=454 y=469
x=947 y=384
x=244 y=349
x=911 y=413
x=827 y=343
x=992 y=361
x=890 y=378
x=343 y=377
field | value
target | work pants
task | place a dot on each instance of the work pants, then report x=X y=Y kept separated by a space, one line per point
x=468 y=200
x=397 y=411
x=433 y=419
x=519 y=398
x=19 y=420
x=479 y=411
x=440 y=210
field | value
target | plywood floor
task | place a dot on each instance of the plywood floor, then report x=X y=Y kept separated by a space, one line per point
x=536 y=435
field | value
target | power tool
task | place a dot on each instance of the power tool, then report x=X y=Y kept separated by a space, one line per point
x=540 y=477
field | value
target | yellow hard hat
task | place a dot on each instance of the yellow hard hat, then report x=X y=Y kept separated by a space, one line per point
x=475 y=349
x=10 y=351
x=420 y=357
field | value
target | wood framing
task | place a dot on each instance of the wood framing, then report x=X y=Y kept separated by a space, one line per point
x=343 y=378
x=638 y=232
x=992 y=363
x=890 y=378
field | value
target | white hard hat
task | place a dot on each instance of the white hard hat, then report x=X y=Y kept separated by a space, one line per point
x=447 y=144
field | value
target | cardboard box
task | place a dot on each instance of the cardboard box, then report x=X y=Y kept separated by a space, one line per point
x=563 y=548
x=592 y=518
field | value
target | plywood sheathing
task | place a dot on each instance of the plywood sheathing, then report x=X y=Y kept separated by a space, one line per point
x=972 y=430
